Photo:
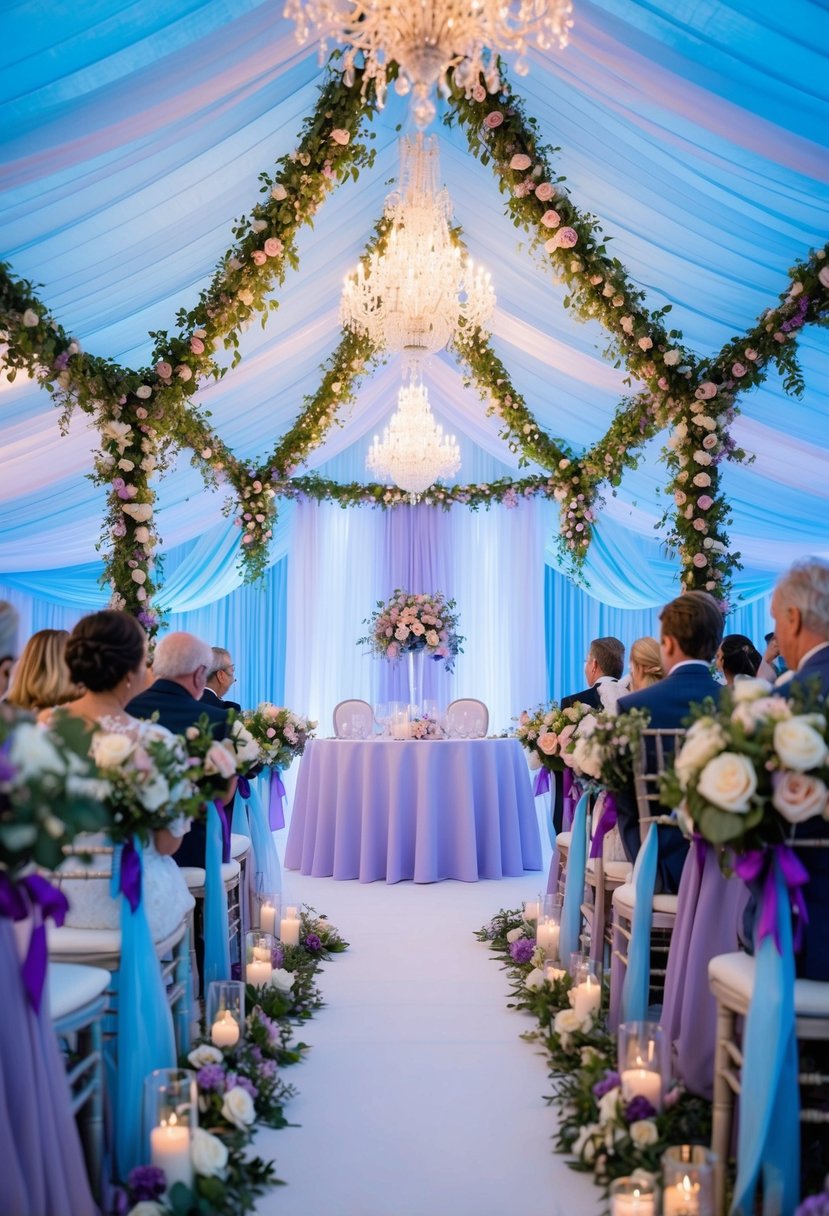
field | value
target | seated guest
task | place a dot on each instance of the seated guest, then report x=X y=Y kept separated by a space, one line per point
x=41 y=678
x=645 y=669
x=800 y=608
x=220 y=679
x=692 y=627
x=180 y=666
x=8 y=644
x=737 y=658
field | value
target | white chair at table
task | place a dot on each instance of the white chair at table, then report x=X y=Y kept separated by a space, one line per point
x=469 y=714
x=353 y=719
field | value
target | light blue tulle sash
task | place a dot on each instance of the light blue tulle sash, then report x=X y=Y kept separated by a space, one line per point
x=638 y=975
x=216 y=930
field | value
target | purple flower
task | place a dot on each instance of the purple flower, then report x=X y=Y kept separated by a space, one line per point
x=7 y=769
x=639 y=1108
x=62 y=362
x=522 y=950
x=277 y=957
x=268 y=1069
x=609 y=1081
x=814 y=1205
x=234 y=1079
x=146 y=1183
x=212 y=1076
x=119 y=528
x=312 y=942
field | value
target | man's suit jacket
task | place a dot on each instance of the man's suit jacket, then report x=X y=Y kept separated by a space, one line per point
x=590 y=696
x=812 y=962
x=209 y=697
x=668 y=702
x=177 y=710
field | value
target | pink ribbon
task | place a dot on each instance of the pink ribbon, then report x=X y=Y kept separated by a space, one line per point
x=758 y=866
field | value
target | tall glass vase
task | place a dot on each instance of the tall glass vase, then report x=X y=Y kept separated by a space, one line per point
x=416 y=659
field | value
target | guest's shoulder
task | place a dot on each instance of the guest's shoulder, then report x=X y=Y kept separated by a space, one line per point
x=637 y=700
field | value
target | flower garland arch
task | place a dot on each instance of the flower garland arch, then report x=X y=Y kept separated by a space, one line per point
x=144 y=416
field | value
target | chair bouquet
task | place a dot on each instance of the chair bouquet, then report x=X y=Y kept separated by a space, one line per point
x=547 y=731
x=280 y=734
x=603 y=746
x=214 y=762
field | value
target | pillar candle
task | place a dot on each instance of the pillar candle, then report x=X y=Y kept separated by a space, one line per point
x=170 y=1151
x=547 y=935
x=267 y=919
x=642 y=1082
x=289 y=930
x=225 y=1030
x=681 y=1199
x=259 y=972
x=635 y=1204
x=586 y=997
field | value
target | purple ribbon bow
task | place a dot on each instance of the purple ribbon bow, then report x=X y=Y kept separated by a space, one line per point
x=225 y=822
x=571 y=797
x=243 y=788
x=542 y=781
x=36 y=896
x=607 y=821
x=758 y=865
x=277 y=793
x=129 y=878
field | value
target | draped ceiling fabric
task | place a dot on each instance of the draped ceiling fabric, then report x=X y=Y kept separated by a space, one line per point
x=133 y=134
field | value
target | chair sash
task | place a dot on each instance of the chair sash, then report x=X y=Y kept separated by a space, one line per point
x=216 y=928
x=569 y=942
x=266 y=859
x=638 y=974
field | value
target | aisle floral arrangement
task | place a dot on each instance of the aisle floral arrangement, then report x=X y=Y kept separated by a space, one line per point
x=242 y=1086
x=601 y=1132
x=280 y=734
x=410 y=622
x=548 y=731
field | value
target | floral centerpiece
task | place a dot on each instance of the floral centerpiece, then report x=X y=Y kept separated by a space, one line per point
x=280 y=734
x=409 y=622
x=424 y=726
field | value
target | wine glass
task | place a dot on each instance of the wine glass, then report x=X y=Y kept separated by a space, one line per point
x=381 y=716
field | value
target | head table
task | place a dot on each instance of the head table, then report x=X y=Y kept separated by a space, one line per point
x=416 y=809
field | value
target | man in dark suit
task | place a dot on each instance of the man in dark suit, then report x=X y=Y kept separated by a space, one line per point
x=800 y=608
x=604 y=664
x=220 y=679
x=692 y=629
x=180 y=666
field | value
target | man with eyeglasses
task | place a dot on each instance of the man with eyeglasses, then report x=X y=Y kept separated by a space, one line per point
x=220 y=679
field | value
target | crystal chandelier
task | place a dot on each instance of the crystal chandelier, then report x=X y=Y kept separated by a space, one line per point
x=422 y=289
x=414 y=452
x=428 y=37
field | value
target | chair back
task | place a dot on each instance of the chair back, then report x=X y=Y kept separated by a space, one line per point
x=656 y=751
x=467 y=717
x=353 y=719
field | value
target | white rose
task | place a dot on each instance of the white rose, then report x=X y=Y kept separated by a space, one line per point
x=238 y=1108
x=110 y=749
x=141 y=512
x=643 y=1133
x=119 y=432
x=515 y=935
x=798 y=796
x=139 y=576
x=219 y=761
x=798 y=744
x=750 y=690
x=282 y=980
x=584 y=1145
x=750 y=714
x=205 y=1054
x=208 y=1154
x=30 y=318
x=155 y=793
x=32 y=751
x=728 y=782
x=567 y=1021
x=143 y=392
x=279 y=192
x=704 y=739
x=609 y=1105
x=535 y=979
x=142 y=535
x=242 y=742
x=671 y=357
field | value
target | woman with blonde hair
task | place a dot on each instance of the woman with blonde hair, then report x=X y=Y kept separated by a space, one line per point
x=41 y=678
x=645 y=663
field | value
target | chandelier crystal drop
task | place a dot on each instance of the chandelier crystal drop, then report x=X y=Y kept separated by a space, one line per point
x=422 y=290
x=427 y=38
x=414 y=453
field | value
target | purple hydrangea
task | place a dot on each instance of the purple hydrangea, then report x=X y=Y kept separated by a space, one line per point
x=522 y=950
x=609 y=1081
x=312 y=942
x=268 y=1069
x=211 y=1076
x=277 y=957
x=815 y=1205
x=234 y=1079
x=146 y=1183
x=639 y=1108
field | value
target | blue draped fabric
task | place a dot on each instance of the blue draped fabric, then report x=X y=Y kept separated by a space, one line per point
x=268 y=871
x=216 y=932
x=145 y=1039
x=638 y=974
x=570 y=937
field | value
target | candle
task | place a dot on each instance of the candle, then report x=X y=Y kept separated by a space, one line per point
x=262 y=954
x=586 y=997
x=531 y=909
x=637 y=1203
x=547 y=934
x=552 y=972
x=170 y=1151
x=642 y=1082
x=267 y=918
x=225 y=1030
x=289 y=927
x=259 y=973
x=681 y=1199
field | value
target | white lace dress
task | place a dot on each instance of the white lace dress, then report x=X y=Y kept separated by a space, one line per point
x=164 y=892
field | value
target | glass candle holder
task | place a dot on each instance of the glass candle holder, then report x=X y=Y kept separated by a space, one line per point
x=532 y=908
x=259 y=949
x=547 y=934
x=269 y=911
x=632 y=1197
x=289 y=926
x=688 y=1181
x=225 y=1012
x=550 y=907
x=400 y=723
x=553 y=970
x=643 y=1062
x=586 y=993
x=171 y=1106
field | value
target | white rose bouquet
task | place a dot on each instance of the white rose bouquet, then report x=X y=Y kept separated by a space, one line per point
x=280 y=734
x=415 y=622
x=748 y=773
x=603 y=747
x=547 y=733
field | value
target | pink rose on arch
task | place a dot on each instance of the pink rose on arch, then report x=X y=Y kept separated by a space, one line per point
x=164 y=370
x=339 y=136
x=259 y=257
x=520 y=162
x=710 y=441
x=551 y=219
x=493 y=119
x=567 y=238
x=705 y=502
x=478 y=93
x=700 y=560
x=196 y=345
x=544 y=191
x=272 y=247
x=738 y=370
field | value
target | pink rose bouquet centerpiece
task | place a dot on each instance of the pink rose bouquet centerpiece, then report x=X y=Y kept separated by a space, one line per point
x=409 y=622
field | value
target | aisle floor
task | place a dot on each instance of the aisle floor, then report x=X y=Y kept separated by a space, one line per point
x=418 y=1097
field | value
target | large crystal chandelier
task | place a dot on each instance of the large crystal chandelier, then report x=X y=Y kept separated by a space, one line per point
x=428 y=37
x=414 y=452
x=422 y=289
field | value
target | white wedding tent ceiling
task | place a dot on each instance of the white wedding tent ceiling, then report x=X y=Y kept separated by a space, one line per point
x=133 y=134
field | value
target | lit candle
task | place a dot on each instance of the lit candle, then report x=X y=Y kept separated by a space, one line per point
x=642 y=1082
x=531 y=909
x=586 y=997
x=681 y=1199
x=225 y=1030
x=267 y=918
x=259 y=972
x=289 y=928
x=637 y=1203
x=547 y=934
x=170 y=1151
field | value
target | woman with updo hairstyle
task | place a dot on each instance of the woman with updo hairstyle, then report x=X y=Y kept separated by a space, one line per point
x=645 y=664
x=41 y=677
x=738 y=658
x=107 y=655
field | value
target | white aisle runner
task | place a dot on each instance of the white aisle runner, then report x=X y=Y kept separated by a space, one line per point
x=418 y=1098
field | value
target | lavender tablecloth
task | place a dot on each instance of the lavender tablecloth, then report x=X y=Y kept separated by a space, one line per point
x=422 y=810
